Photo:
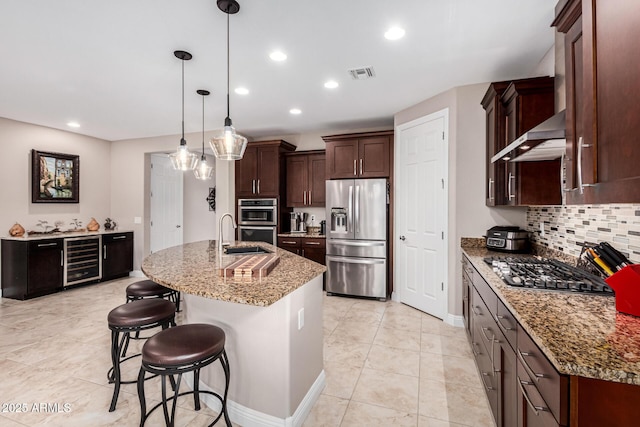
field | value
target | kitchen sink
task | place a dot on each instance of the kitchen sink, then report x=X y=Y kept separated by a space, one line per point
x=245 y=250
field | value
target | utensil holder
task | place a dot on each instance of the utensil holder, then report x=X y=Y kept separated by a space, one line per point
x=626 y=284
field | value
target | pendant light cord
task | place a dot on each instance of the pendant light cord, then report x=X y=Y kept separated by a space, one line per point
x=203 y=127
x=228 y=119
x=182 y=141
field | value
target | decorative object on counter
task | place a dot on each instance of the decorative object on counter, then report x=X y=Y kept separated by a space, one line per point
x=55 y=177
x=250 y=266
x=76 y=223
x=16 y=230
x=211 y=198
x=44 y=224
x=229 y=145
x=626 y=283
x=182 y=159
x=110 y=224
x=93 y=225
x=313 y=229
x=203 y=169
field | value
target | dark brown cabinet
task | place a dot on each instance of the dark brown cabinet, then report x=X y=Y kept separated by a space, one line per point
x=513 y=108
x=261 y=172
x=362 y=155
x=31 y=268
x=602 y=88
x=306 y=172
x=313 y=248
x=117 y=255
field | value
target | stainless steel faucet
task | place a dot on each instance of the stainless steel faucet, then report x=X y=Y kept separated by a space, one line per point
x=220 y=239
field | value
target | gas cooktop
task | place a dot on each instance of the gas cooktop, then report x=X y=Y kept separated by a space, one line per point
x=541 y=273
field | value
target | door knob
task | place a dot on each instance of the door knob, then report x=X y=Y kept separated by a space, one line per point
x=178 y=226
x=403 y=238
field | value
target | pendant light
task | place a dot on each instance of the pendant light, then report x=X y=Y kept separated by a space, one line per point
x=228 y=145
x=183 y=159
x=203 y=169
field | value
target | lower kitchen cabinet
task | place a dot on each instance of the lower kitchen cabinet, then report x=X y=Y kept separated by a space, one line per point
x=31 y=268
x=313 y=248
x=117 y=255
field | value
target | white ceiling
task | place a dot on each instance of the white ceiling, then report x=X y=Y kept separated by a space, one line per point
x=109 y=65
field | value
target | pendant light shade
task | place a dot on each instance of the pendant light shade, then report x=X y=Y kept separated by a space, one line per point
x=228 y=145
x=183 y=159
x=203 y=169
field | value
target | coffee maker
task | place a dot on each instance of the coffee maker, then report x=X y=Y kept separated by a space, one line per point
x=298 y=222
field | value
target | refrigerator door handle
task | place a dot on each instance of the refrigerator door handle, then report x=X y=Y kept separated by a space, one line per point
x=357 y=209
x=349 y=260
x=350 y=213
x=358 y=243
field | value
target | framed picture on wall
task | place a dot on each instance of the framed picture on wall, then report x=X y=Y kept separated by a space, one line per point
x=55 y=177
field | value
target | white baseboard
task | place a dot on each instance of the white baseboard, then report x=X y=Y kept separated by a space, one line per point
x=454 y=320
x=248 y=417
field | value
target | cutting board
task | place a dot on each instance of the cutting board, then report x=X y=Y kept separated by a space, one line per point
x=250 y=266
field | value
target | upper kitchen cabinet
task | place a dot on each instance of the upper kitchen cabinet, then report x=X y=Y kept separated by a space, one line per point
x=602 y=89
x=513 y=108
x=362 y=155
x=306 y=174
x=260 y=172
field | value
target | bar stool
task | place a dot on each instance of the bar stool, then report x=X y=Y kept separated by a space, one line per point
x=135 y=316
x=150 y=289
x=175 y=351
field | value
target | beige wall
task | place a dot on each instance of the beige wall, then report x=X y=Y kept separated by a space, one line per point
x=468 y=215
x=17 y=139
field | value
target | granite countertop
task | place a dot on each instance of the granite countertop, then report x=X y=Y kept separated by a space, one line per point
x=64 y=234
x=193 y=268
x=314 y=235
x=581 y=335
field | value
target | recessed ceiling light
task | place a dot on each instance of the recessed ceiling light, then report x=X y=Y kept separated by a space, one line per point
x=331 y=84
x=394 y=33
x=73 y=124
x=278 y=56
x=524 y=147
x=242 y=91
x=505 y=158
x=295 y=111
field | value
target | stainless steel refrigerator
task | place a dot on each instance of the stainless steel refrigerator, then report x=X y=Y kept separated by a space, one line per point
x=357 y=217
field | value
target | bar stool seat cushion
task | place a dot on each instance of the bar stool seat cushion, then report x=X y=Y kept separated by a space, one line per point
x=141 y=312
x=183 y=345
x=146 y=288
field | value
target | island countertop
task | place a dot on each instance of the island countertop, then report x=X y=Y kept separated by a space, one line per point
x=581 y=335
x=193 y=268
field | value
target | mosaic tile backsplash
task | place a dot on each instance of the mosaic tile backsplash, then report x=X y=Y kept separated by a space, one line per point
x=567 y=227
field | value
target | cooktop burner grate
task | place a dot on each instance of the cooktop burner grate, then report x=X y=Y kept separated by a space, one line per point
x=541 y=273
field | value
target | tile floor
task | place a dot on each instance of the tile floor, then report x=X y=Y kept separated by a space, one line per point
x=386 y=364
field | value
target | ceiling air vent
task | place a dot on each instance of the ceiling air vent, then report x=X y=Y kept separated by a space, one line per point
x=362 y=73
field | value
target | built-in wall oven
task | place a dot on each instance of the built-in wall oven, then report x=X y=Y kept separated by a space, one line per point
x=258 y=220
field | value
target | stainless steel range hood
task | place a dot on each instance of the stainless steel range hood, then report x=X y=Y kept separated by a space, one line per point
x=544 y=142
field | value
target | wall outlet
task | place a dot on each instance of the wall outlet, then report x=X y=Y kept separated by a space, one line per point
x=137 y=220
x=313 y=218
x=300 y=318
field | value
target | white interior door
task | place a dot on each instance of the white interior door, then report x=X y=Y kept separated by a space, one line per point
x=421 y=213
x=166 y=204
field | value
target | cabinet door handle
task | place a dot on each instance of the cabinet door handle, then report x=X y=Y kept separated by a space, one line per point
x=62 y=258
x=253 y=186
x=45 y=245
x=484 y=375
x=581 y=185
x=312 y=243
x=302 y=252
x=119 y=237
x=360 y=166
x=521 y=355
x=309 y=197
x=304 y=197
x=505 y=328
x=104 y=251
x=490 y=193
x=477 y=313
x=258 y=186
x=355 y=171
x=288 y=242
x=483 y=329
x=473 y=349
x=511 y=177
x=536 y=409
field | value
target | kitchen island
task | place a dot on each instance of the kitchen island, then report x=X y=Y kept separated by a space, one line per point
x=273 y=328
x=594 y=351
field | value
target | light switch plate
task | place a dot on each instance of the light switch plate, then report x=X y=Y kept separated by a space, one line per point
x=300 y=318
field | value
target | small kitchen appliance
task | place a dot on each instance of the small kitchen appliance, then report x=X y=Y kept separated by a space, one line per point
x=508 y=239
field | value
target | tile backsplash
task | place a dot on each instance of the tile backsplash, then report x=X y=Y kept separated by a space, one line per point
x=567 y=227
